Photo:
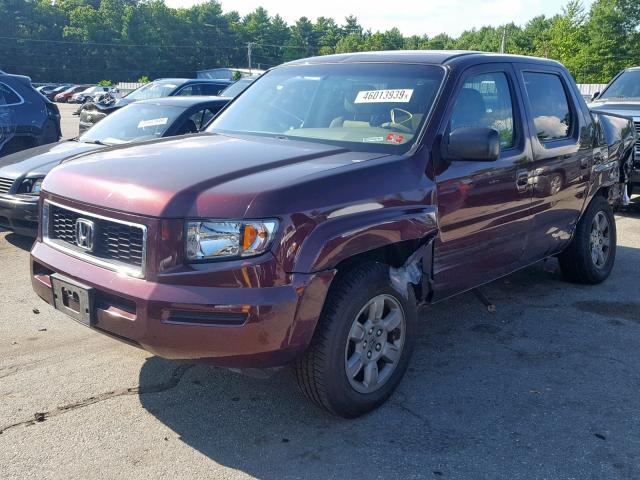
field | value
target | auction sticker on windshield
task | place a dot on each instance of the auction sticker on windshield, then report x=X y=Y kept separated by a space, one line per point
x=153 y=123
x=402 y=95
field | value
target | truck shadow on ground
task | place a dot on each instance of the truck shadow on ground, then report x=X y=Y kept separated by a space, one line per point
x=22 y=242
x=486 y=394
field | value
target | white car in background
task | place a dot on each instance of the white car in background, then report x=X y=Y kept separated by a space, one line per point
x=89 y=93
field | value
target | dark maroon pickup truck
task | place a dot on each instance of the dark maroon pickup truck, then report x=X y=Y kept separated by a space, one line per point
x=328 y=201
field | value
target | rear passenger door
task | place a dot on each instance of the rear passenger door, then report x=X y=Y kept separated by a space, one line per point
x=562 y=157
x=484 y=208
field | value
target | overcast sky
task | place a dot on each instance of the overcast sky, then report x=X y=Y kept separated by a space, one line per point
x=410 y=16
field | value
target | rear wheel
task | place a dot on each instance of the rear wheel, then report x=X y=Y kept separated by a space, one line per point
x=590 y=256
x=49 y=133
x=362 y=344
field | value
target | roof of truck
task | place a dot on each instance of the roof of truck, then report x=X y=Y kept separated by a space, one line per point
x=434 y=57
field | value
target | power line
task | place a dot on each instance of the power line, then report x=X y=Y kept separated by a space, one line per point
x=105 y=44
x=282 y=46
x=139 y=45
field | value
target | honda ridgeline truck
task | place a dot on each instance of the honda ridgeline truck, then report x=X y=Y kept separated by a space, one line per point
x=325 y=204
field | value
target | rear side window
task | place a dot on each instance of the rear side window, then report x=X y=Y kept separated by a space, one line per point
x=485 y=101
x=200 y=89
x=189 y=91
x=211 y=89
x=8 y=96
x=203 y=117
x=549 y=105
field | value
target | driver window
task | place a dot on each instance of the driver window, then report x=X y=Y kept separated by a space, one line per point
x=485 y=101
x=202 y=117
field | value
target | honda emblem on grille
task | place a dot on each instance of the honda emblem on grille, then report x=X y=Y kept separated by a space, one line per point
x=84 y=234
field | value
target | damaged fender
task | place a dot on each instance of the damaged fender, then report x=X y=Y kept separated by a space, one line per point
x=339 y=239
x=416 y=271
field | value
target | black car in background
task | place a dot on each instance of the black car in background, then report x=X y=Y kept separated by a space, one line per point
x=164 y=87
x=45 y=89
x=27 y=119
x=21 y=174
x=51 y=94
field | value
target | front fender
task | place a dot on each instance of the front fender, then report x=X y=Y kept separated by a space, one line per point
x=344 y=234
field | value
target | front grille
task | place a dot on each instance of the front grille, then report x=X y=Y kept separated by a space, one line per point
x=637 y=124
x=114 y=243
x=6 y=184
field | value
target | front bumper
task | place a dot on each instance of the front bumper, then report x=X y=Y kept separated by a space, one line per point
x=19 y=213
x=230 y=326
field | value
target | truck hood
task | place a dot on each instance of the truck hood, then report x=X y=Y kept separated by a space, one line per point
x=40 y=160
x=201 y=175
x=629 y=108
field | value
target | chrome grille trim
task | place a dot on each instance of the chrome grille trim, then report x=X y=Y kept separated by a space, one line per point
x=637 y=125
x=6 y=184
x=66 y=247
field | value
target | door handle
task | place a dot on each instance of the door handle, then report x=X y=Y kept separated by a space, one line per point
x=522 y=180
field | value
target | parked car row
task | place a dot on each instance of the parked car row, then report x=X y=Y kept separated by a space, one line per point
x=22 y=176
x=321 y=207
x=166 y=87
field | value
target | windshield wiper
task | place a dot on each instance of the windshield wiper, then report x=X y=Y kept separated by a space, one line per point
x=96 y=142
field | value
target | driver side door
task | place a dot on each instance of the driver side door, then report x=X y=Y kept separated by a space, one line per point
x=484 y=208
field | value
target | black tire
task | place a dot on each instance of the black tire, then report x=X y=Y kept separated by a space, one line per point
x=321 y=371
x=576 y=260
x=49 y=133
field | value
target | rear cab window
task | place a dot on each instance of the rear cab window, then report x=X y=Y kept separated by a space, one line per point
x=551 y=112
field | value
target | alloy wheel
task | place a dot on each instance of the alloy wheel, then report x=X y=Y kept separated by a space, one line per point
x=375 y=344
x=600 y=240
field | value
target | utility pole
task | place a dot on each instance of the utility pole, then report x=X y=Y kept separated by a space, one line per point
x=249 y=55
x=503 y=45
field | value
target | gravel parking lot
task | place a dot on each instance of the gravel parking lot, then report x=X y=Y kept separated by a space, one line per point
x=544 y=388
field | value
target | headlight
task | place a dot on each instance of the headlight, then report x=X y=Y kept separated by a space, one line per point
x=210 y=240
x=31 y=186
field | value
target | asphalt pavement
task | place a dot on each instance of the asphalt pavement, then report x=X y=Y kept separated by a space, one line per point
x=68 y=122
x=544 y=388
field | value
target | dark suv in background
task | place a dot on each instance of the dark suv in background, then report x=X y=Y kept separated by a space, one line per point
x=27 y=119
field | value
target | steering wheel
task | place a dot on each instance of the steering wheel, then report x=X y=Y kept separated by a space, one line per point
x=399 y=125
x=297 y=120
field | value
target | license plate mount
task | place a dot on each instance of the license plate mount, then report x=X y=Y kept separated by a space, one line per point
x=72 y=298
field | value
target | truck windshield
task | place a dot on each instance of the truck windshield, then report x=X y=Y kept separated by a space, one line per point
x=627 y=85
x=366 y=107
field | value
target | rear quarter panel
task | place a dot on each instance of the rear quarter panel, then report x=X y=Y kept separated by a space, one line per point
x=613 y=153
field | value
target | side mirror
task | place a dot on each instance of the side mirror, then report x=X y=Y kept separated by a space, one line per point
x=595 y=96
x=473 y=144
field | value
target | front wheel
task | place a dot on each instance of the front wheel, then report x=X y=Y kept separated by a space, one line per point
x=590 y=256
x=362 y=344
